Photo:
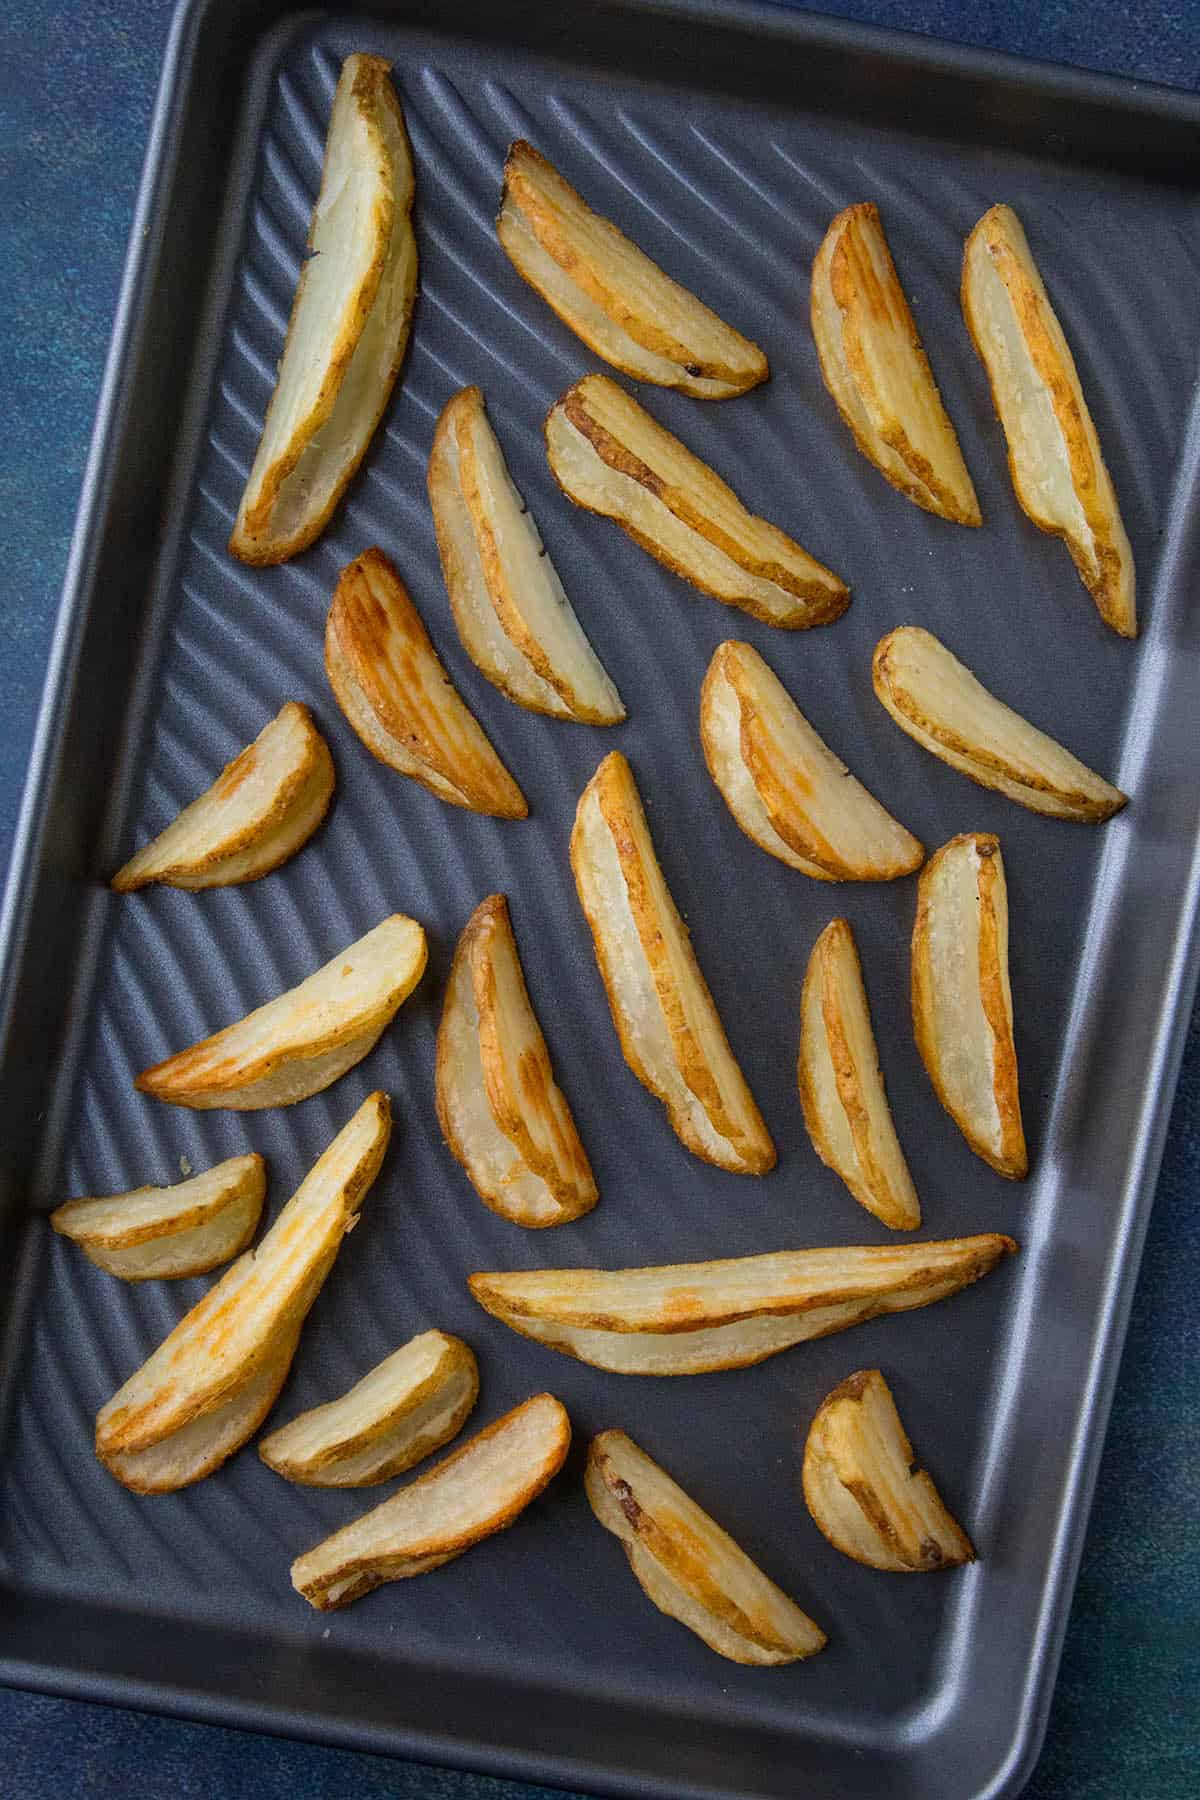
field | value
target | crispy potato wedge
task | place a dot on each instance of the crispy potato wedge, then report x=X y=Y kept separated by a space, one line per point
x=408 y=1406
x=349 y=326
x=876 y=370
x=962 y=1001
x=513 y=616
x=501 y=1111
x=392 y=687
x=666 y=1019
x=690 y=1318
x=942 y=707
x=241 y=1336
x=691 y=1569
x=610 y=294
x=261 y=809
x=610 y=457
x=783 y=784
x=161 y=1233
x=1054 y=455
x=864 y=1490
x=474 y=1492
x=841 y=1084
x=307 y=1038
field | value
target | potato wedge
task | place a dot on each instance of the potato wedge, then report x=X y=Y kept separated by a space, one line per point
x=666 y=1019
x=611 y=294
x=513 y=617
x=841 y=1084
x=863 y=1488
x=942 y=707
x=474 y=1492
x=501 y=1111
x=876 y=370
x=691 y=1569
x=392 y=687
x=307 y=1038
x=690 y=1318
x=962 y=1001
x=246 y=1325
x=783 y=784
x=349 y=326
x=1054 y=455
x=159 y=1233
x=610 y=457
x=407 y=1407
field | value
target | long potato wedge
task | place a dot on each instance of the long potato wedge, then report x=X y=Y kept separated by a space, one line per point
x=161 y=1233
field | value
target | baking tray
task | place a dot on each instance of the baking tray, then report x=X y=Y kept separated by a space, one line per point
x=724 y=136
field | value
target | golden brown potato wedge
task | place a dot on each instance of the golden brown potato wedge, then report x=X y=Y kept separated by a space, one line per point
x=665 y=1017
x=307 y=1038
x=610 y=294
x=691 y=1569
x=876 y=369
x=610 y=457
x=161 y=1233
x=474 y=1492
x=864 y=1490
x=783 y=784
x=962 y=1001
x=841 y=1084
x=349 y=326
x=1054 y=455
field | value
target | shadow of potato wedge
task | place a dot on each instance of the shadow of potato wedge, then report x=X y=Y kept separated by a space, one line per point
x=162 y=1233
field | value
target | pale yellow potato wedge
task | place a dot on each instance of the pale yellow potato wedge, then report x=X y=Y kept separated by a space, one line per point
x=393 y=688
x=611 y=294
x=876 y=370
x=945 y=709
x=159 y=1233
x=783 y=784
x=1054 y=455
x=474 y=1492
x=864 y=1490
x=610 y=457
x=691 y=1569
x=407 y=1407
x=841 y=1084
x=666 y=1018
x=962 y=1000
x=307 y=1038
x=501 y=1111
x=349 y=326
x=513 y=616
x=690 y=1318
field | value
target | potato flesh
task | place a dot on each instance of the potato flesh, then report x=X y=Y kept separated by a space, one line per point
x=121 y=1221
x=193 y=1251
x=721 y=729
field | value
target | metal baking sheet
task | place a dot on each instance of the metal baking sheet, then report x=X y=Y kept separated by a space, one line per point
x=723 y=137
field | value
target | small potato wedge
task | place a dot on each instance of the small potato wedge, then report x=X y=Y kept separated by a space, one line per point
x=611 y=294
x=942 y=707
x=783 y=784
x=1054 y=455
x=501 y=1111
x=349 y=326
x=864 y=1490
x=691 y=1318
x=610 y=457
x=841 y=1084
x=962 y=1001
x=392 y=687
x=407 y=1407
x=305 y=1040
x=162 y=1233
x=474 y=1492
x=691 y=1569
x=666 y=1019
x=513 y=616
x=877 y=372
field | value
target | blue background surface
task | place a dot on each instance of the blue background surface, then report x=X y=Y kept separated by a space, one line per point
x=77 y=80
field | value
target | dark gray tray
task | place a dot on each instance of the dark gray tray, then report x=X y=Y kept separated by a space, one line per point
x=724 y=136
